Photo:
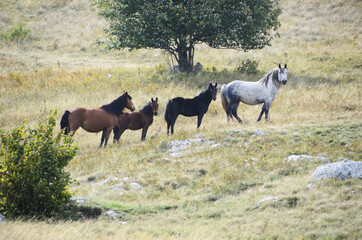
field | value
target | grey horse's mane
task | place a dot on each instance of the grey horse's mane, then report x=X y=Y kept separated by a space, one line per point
x=275 y=80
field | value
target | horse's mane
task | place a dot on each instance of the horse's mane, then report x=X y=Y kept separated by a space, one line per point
x=203 y=94
x=274 y=74
x=147 y=108
x=117 y=105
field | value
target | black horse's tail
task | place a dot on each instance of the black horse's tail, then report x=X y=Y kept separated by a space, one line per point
x=168 y=112
x=64 y=122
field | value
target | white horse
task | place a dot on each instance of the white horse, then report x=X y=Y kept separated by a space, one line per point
x=252 y=93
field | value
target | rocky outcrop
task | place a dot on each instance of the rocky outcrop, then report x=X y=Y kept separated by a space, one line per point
x=339 y=170
x=177 y=148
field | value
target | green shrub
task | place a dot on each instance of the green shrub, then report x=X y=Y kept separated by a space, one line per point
x=16 y=34
x=33 y=182
x=248 y=66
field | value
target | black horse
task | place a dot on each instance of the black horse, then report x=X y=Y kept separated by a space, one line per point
x=196 y=106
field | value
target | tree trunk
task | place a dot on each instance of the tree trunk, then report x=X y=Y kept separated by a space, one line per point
x=185 y=59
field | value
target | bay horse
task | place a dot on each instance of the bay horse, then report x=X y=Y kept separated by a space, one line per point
x=196 y=106
x=136 y=120
x=94 y=120
x=253 y=93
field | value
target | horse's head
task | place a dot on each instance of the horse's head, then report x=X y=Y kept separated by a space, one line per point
x=154 y=106
x=213 y=90
x=282 y=74
x=129 y=104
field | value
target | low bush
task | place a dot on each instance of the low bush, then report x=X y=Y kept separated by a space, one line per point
x=248 y=66
x=33 y=182
x=16 y=34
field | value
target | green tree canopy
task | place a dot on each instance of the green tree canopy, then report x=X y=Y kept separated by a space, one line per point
x=178 y=25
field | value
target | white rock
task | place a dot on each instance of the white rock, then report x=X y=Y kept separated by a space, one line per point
x=116 y=188
x=310 y=186
x=112 y=213
x=78 y=200
x=2 y=218
x=200 y=135
x=260 y=132
x=306 y=158
x=177 y=155
x=178 y=145
x=241 y=132
x=216 y=145
x=268 y=199
x=339 y=170
x=136 y=186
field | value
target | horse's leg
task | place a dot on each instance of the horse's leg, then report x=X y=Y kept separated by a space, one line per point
x=199 y=119
x=262 y=112
x=173 y=121
x=229 y=110
x=267 y=111
x=73 y=128
x=168 y=127
x=116 y=135
x=105 y=136
x=120 y=132
x=102 y=138
x=144 y=132
x=235 y=113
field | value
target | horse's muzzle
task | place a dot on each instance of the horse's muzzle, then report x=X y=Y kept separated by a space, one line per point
x=284 y=82
x=155 y=113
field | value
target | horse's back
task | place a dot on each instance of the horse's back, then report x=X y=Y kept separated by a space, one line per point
x=136 y=120
x=251 y=93
x=92 y=119
x=189 y=107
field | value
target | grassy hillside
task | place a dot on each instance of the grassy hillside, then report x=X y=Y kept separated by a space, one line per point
x=213 y=190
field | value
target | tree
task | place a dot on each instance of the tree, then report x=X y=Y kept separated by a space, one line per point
x=178 y=25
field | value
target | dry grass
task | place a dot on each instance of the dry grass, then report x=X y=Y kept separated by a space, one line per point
x=301 y=214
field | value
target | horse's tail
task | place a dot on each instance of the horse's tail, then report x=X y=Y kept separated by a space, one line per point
x=64 y=122
x=224 y=101
x=168 y=112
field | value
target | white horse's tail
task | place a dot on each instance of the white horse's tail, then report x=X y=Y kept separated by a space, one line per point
x=224 y=101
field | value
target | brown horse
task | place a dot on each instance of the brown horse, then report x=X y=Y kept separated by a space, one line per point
x=93 y=120
x=136 y=120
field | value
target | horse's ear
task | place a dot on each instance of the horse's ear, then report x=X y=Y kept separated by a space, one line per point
x=215 y=84
x=210 y=84
x=156 y=99
x=152 y=100
x=285 y=66
x=280 y=66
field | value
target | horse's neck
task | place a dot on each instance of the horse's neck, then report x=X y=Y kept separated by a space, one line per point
x=117 y=106
x=205 y=96
x=147 y=109
x=270 y=83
